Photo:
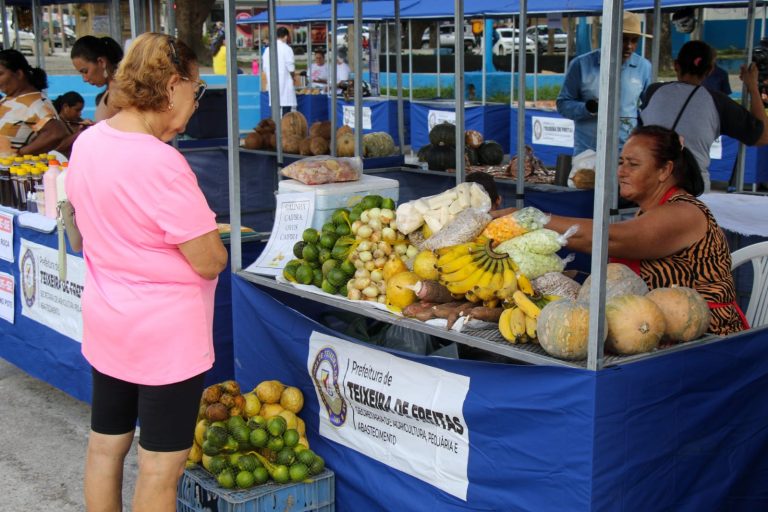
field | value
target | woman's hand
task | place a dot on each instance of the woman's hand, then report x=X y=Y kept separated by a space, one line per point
x=501 y=213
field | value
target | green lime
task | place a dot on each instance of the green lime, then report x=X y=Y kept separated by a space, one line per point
x=317 y=466
x=354 y=215
x=310 y=252
x=343 y=229
x=343 y=291
x=261 y=475
x=232 y=445
x=329 y=227
x=348 y=268
x=245 y=479
x=340 y=216
x=218 y=464
x=276 y=425
x=275 y=444
x=216 y=436
x=298 y=247
x=285 y=456
x=337 y=277
x=324 y=255
x=248 y=462
x=340 y=252
x=314 y=264
x=289 y=273
x=235 y=422
x=306 y=457
x=304 y=274
x=280 y=474
x=329 y=265
x=209 y=448
x=317 y=280
x=298 y=472
x=259 y=437
x=310 y=235
x=226 y=479
x=388 y=203
x=256 y=422
x=291 y=437
x=377 y=200
x=327 y=240
x=234 y=458
x=327 y=287
x=220 y=424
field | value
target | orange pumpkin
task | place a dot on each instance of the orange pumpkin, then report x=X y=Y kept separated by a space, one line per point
x=685 y=311
x=304 y=147
x=253 y=140
x=563 y=329
x=291 y=144
x=345 y=145
x=320 y=129
x=318 y=145
x=294 y=123
x=619 y=280
x=343 y=130
x=635 y=324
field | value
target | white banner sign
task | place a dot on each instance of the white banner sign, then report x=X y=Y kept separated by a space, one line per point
x=552 y=131
x=716 y=149
x=6 y=297
x=435 y=117
x=403 y=414
x=45 y=298
x=293 y=214
x=6 y=236
x=349 y=117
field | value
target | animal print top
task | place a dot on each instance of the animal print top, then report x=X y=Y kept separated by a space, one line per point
x=705 y=266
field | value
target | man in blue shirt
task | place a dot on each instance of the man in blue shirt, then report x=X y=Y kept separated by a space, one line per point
x=579 y=97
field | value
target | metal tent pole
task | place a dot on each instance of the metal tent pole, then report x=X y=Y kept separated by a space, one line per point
x=484 y=81
x=512 y=67
x=36 y=24
x=458 y=88
x=357 y=41
x=309 y=53
x=274 y=83
x=437 y=54
x=410 y=62
x=6 y=35
x=170 y=26
x=233 y=137
x=741 y=155
x=115 y=24
x=151 y=9
x=656 y=44
x=332 y=77
x=136 y=25
x=520 y=185
x=386 y=53
x=605 y=177
x=399 y=78
x=570 y=25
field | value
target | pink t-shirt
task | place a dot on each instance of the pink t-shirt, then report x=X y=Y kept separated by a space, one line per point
x=147 y=315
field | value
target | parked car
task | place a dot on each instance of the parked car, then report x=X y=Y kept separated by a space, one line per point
x=505 y=39
x=342 y=37
x=540 y=33
x=26 y=40
x=69 y=34
x=448 y=37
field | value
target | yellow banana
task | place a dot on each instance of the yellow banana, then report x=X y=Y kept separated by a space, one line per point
x=466 y=284
x=497 y=282
x=445 y=251
x=456 y=264
x=530 y=327
x=510 y=281
x=505 y=326
x=525 y=304
x=493 y=303
x=448 y=254
x=485 y=279
x=552 y=298
x=517 y=323
x=524 y=284
x=484 y=293
x=465 y=271
x=472 y=297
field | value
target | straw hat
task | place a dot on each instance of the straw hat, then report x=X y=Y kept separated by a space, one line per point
x=632 y=25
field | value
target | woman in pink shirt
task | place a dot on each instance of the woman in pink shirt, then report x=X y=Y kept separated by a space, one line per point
x=152 y=253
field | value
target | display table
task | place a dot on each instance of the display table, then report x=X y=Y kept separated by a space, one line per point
x=379 y=115
x=492 y=120
x=684 y=432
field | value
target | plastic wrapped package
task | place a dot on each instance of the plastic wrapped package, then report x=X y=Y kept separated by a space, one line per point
x=464 y=228
x=515 y=224
x=556 y=283
x=539 y=241
x=441 y=209
x=320 y=169
x=534 y=265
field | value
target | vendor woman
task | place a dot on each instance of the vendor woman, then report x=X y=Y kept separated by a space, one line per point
x=674 y=238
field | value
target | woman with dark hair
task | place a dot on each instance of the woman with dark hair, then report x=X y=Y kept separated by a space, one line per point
x=29 y=123
x=673 y=239
x=96 y=59
x=70 y=109
x=699 y=114
x=147 y=317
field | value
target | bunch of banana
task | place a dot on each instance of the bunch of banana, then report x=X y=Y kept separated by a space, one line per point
x=518 y=321
x=474 y=270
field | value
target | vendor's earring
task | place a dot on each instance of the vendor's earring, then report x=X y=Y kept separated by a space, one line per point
x=170 y=105
x=106 y=74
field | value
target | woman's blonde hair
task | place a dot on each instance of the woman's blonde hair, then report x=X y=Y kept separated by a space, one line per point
x=143 y=75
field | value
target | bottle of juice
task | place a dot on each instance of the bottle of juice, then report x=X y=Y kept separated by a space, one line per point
x=6 y=187
x=22 y=176
x=50 y=185
x=61 y=191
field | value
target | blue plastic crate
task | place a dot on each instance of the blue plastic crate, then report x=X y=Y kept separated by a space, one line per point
x=199 y=492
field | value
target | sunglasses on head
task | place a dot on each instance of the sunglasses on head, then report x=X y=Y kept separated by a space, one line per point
x=201 y=87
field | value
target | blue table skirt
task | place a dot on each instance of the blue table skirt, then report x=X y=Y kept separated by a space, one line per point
x=313 y=106
x=683 y=432
x=492 y=120
x=383 y=116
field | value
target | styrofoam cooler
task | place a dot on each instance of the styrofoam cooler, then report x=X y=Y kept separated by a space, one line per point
x=331 y=196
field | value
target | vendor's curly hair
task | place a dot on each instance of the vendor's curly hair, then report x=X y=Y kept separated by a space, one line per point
x=144 y=73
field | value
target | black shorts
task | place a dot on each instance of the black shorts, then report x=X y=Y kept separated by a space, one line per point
x=166 y=413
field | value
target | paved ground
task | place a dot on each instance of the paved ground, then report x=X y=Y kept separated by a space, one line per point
x=43 y=450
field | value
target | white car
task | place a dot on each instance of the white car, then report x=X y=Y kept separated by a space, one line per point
x=505 y=39
x=342 y=37
x=448 y=37
x=26 y=40
x=541 y=33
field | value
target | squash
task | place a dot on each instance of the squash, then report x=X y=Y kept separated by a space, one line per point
x=421 y=155
x=294 y=123
x=440 y=158
x=320 y=129
x=342 y=130
x=272 y=142
x=635 y=324
x=473 y=138
x=378 y=144
x=345 y=145
x=584 y=179
x=318 y=145
x=291 y=144
x=304 y=147
x=471 y=157
x=490 y=153
x=563 y=329
x=266 y=125
x=619 y=280
x=443 y=134
x=253 y=140
x=686 y=313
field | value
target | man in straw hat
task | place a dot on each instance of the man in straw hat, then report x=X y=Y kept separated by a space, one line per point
x=579 y=98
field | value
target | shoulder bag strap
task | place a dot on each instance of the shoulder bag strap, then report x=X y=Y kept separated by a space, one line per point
x=680 y=114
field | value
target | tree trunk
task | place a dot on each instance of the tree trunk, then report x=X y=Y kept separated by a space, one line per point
x=190 y=16
x=665 y=50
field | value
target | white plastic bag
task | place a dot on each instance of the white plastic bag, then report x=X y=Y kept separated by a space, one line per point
x=587 y=159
